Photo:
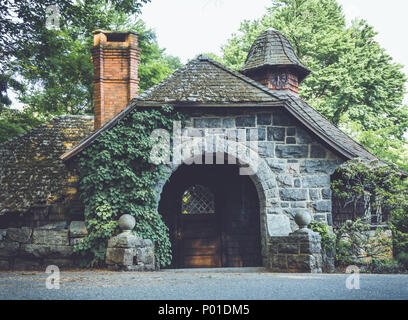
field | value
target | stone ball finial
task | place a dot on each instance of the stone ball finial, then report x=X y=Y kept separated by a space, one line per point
x=127 y=222
x=303 y=219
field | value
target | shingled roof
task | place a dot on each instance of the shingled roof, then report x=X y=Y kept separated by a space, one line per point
x=203 y=80
x=204 y=83
x=31 y=171
x=272 y=48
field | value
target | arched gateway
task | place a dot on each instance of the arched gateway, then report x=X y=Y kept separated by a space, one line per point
x=216 y=216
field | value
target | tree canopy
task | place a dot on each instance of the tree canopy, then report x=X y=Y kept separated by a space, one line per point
x=354 y=82
x=51 y=69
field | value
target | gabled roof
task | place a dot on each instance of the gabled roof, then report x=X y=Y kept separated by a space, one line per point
x=205 y=83
x=203 y=80
x=272 y=48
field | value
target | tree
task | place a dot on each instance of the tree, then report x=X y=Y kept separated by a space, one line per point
x=354 y=82
x=52 y=69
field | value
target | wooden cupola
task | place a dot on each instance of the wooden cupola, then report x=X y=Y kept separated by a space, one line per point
x=272 y=61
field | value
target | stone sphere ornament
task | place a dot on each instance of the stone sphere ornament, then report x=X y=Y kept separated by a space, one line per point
x=126 y=222
x=303 y=219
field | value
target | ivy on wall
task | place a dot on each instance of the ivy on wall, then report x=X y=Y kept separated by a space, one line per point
x=117 y=177
x=384 y=192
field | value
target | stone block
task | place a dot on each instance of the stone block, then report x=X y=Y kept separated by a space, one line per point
x=297 y=204
x=292 y=167
x=264 y=119
x=310 y=247
x=284 y=151
x=326 y=194
x=293 y=194
x=282 y=119
x=296 y=183
x=125 y=240
x=319 y=166
x=276 y=165
x=323 y=206
x=207 y=123
x=9 y=249
x=278 y=224
x=303 y=137
x=120 y=256
x=285 y=181
x=228 y=123
x=247 y=121
x=317 y=152
x=255 y=134
x=300 y=263
x=51 y=237
x=22 y=235
x=291 y=132
x=145 y=255
x=279 y=262
x=314 y=194
x=41 y=251
x=266 y=149
x=276 y=134
x=77 y=229
x=322 y=181
x=291 y=248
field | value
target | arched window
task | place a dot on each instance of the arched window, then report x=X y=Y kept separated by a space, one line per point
x=197 y=200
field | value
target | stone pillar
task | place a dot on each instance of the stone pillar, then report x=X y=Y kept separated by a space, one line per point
x=129 y=252
x=300 y=251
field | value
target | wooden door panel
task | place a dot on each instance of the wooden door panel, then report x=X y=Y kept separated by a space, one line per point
x=196 y=261
x=200 y=243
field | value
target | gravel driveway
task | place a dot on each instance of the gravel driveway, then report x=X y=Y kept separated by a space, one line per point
x=213 y=284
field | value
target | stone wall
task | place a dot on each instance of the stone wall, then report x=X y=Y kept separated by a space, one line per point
x=35 y=248
x=301 y=163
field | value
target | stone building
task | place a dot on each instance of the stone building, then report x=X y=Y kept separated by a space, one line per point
x=234 y=210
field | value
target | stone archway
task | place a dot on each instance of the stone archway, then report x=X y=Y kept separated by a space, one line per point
x=272 y=221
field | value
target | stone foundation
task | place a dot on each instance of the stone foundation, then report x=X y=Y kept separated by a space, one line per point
x=35 y=248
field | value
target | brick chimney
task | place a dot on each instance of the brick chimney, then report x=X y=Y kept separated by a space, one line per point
x=115 y=58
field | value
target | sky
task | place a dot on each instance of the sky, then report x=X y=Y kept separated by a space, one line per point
x=190 y=27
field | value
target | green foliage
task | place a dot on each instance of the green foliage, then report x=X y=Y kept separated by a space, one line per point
x=117 y=177
x=399 y=226
x=377 y=185
x=328 y=238
x=14 y=123
x=51 y=70
x=383 y=266
x=354 y=82
x=384 y=191
x=355 y=244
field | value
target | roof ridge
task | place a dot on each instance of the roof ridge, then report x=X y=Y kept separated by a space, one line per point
x=280 y=36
